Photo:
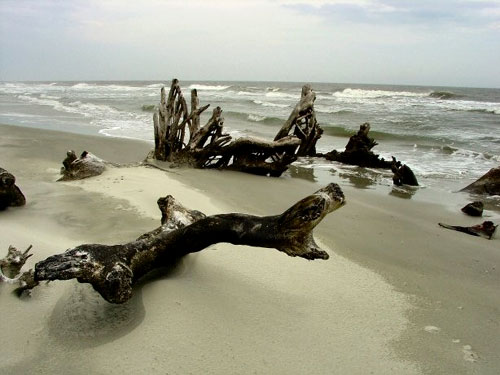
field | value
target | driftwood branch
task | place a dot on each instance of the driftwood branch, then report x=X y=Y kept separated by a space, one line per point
x=113 y=270
x=486 y=229
x=303 y=124
x=10 y=194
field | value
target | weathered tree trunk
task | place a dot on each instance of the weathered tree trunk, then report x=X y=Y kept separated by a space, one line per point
x=10 y=194
x=303 y=122
x=87 y=165
x=113 y=270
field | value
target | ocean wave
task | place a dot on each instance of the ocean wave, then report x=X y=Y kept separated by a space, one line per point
x=269 y=104
x=444 y=95
x=349 y=93
x=148 y=107
x=273 y=89
x=247 y=93
x=45 y=96
x=331 y=110
x=208 y=87
x=282 y=95
x=252 y=117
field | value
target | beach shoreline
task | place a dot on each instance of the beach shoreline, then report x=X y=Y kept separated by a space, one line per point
x=408 y=289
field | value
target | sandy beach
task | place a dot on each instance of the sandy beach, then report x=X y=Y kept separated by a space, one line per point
x=399 y=295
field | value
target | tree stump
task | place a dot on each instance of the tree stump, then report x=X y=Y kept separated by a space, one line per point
x=10 y=194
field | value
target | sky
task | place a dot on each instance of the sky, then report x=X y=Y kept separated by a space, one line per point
x=419 y=42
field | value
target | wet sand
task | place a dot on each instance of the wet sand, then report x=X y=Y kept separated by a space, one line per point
x=398 y=295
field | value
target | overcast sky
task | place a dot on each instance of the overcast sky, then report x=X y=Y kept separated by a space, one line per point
x=426 y=42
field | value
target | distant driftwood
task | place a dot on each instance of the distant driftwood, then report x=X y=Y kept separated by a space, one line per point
x=358 y=151
x=180 y=138
x=488 y=184
x=10 y=194
x=114 y=269
x=77 y=168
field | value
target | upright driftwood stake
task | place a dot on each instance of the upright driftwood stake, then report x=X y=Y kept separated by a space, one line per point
x=303 y=122
x=113 y=269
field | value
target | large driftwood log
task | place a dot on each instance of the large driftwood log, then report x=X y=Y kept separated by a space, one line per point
x=77 y=168
x=302 y=121
x=487 y=184
x=10 y=194
x=208 y=147
x=113 y=270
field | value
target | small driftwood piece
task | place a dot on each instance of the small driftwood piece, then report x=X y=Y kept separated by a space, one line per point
x=113 y=270
x=403 y=175
x=10 y=268
x=485 y=230
x=10 y=194
x=487 y=184
x=77 y=168
x=473 y=209
x=181 y=139
x=302 y=123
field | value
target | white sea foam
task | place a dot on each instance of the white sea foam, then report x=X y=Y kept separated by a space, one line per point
x=364 y=94
x=269 y=104
x=208 y=87
x=282 y=95
x=256 y=118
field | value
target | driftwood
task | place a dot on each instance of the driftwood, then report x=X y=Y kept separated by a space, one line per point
x=113 y=270
x=179 y=137
x=10 y=268
x=403 y=175
x=10 y=194
x=473 y=209
x=77 y=168
x=358 y=151
x=485 y=230
x=487 y=184
x=302 y=123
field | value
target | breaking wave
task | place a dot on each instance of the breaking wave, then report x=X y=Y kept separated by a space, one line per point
x=208 y=87
x=373 y=94
x=444 y=95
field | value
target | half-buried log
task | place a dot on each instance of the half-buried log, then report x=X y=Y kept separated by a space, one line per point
x=10 y=194
x=113 y=270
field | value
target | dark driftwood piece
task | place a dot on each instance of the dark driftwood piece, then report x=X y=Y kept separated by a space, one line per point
x=485 y=230
x=487 y=184
x=358 y=151
x=10 y=194
x=302 y=123
x=208 y=147
x=113 y=270
x=403 y=175
x=77 y=168
x=473 y=209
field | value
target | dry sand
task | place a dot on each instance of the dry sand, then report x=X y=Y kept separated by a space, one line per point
x=399 y=295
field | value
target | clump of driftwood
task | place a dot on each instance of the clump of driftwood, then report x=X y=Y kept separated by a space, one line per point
x=77 y=168
x=180 y=138
x=487 y=184
x=485 y=230
x=10 y=194
x=114 y=269
x=358 y=151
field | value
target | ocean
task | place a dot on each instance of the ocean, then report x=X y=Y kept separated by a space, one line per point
x=449 y=136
